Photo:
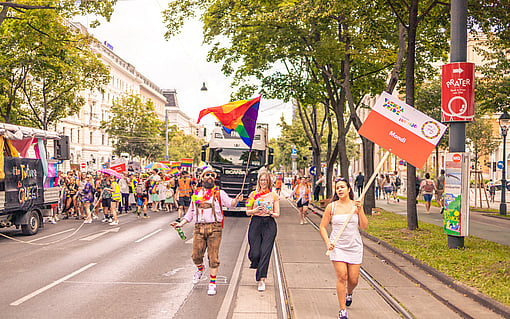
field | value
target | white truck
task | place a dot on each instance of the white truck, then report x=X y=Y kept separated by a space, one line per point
x=24 y=201
x=228 y=155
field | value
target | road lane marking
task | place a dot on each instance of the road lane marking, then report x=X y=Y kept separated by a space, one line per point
x=147 y=236
x=53 y=284
x=104 y=232
x=55 y=234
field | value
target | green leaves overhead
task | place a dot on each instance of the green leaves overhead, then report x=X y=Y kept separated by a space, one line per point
x=45 y=63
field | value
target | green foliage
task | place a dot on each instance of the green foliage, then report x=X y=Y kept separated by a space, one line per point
x=21 y=10
x=482 y=264
x=428 y=101
x=135 y=128
x=44 y=66
x=480 y=137
x=183 y=146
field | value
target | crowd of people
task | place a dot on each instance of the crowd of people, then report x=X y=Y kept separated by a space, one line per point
x=86 y=195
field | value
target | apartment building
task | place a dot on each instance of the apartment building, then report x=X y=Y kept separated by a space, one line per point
x=90 y=146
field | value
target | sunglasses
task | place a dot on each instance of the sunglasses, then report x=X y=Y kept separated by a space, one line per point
x=340 y=179
x=210 y=175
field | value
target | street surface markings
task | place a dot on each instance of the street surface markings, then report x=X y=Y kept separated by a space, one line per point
x=104 y=232
x=55 y=234
x=172 y=272
x=53 y=284
x=149 y=235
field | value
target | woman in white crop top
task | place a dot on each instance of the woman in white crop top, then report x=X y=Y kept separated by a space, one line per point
x=347 y=253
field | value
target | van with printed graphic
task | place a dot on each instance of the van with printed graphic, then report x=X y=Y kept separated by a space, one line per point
x=28 y=188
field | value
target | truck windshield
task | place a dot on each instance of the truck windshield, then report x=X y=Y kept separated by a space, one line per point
x=236 y=156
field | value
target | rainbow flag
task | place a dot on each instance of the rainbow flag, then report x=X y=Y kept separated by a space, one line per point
x=174 y=171
x=176 y=165
x=186 y=162
x=240 y=116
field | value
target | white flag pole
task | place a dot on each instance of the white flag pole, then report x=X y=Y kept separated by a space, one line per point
x=365 y=189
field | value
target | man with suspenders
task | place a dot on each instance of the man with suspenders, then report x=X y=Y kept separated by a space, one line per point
x=205 y=210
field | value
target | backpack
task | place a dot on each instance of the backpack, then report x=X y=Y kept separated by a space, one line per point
x=140 y=189
x=397 y=181
x=428 y=187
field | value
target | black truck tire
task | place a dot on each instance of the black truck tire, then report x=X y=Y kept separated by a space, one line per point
x=33 y=224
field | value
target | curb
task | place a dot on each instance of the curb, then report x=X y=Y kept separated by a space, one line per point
x=472 y=293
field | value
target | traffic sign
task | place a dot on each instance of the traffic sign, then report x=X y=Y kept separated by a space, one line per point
x=500 y=164
x=313 y=170
x=458 y=92
x=293 y=151
x=401 y=162
x=83 y=165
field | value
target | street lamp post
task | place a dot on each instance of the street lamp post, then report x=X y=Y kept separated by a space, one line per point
x=504 y=121
x=166 y=134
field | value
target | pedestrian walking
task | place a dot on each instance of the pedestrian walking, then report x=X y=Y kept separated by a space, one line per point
x=116 y=198
x=87 y=198
x=142 y=196
x=124 y=191
x=304 y=193
x=184 y=190
x=347 y=254
x=264 y=207
x=319 y=186
x=388 y=188
x=427 y=188
x=360 y=179
x=106 y=198
x=440 y=190
x=206 y=211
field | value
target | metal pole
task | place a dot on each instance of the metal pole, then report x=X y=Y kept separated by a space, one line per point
x=502 y=205
x=166 y=134
x=458 y=53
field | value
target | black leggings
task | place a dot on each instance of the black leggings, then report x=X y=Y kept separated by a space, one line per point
x=261 y=236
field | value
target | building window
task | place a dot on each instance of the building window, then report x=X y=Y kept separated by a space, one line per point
x=91 y=138
x=71 y=136
x=102 y=140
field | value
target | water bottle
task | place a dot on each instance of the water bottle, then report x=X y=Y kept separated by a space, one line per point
x=181 y=233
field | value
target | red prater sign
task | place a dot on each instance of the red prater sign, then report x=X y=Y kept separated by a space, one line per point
x=458 y=92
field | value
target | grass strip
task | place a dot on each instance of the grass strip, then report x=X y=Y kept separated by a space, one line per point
x=481 y=264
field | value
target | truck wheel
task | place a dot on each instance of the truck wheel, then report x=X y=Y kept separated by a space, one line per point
x=33 y=224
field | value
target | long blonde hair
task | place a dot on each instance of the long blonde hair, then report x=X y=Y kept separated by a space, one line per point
x=269 y=181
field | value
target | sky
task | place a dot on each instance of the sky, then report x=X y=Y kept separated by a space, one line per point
x=136 y=32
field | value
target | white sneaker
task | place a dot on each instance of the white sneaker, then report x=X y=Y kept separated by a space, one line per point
x=88 y=221
x=114 y=223
x=262 y=286
x=212 y=290
x=197 y=276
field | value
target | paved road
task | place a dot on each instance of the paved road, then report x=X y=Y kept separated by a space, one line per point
x=139 y=269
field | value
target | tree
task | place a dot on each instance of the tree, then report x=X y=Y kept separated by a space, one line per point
x=183 y=146
x=428 y=21
x=67 y=8
x=135 y=128
x=428 y=101
x=313 y=41
x=44 y=71
x=480 y=137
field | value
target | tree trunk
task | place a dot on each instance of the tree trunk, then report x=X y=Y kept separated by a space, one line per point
x=368 y=168
x=412 y=214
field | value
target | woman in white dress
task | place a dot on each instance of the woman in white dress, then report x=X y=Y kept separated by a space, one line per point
x=347 y=253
